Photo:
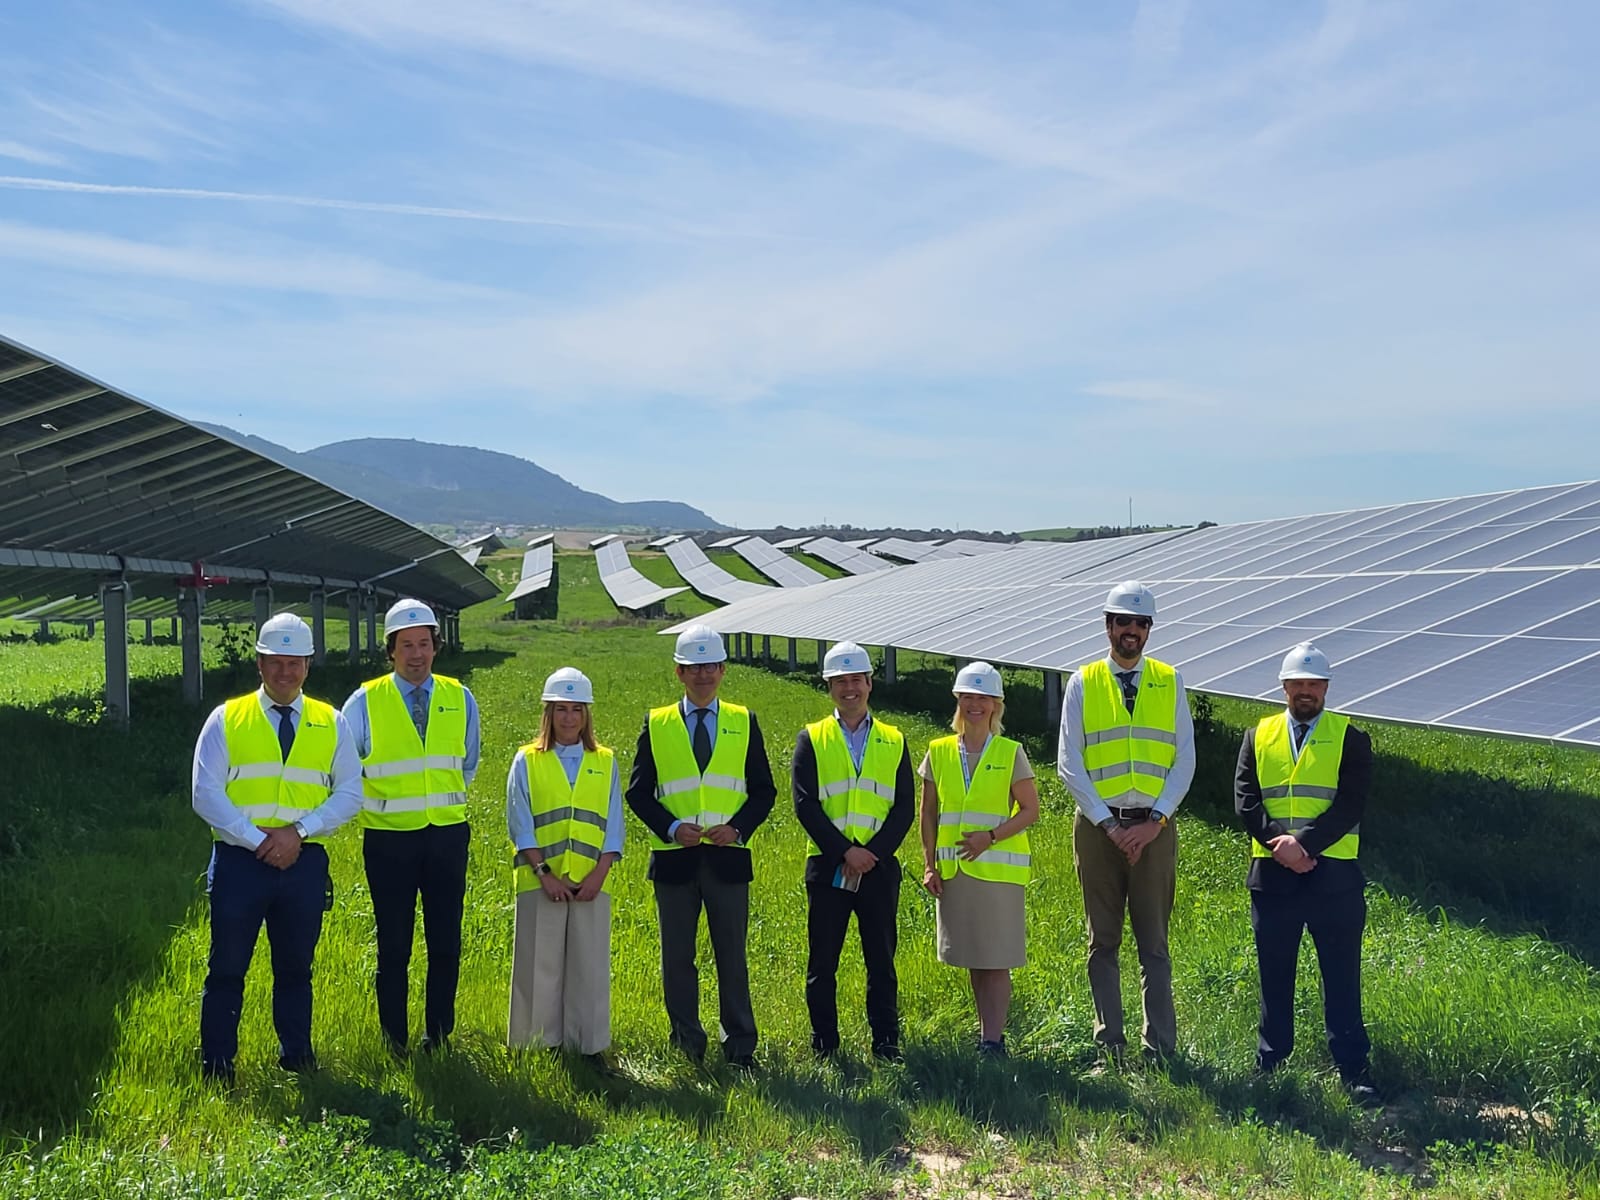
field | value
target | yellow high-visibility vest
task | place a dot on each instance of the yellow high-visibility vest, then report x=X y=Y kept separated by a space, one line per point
x=982 y=805
x=1129 y=755
x=569 y=819
x=857 y=805
x=404 y=783
x=1295 y=792
x=709 y=799
x=264 y=787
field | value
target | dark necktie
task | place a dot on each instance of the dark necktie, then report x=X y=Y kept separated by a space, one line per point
x=1130 y=690
x=702 y=740
x=285 y=727
x=1301 y=728
x=419 y=712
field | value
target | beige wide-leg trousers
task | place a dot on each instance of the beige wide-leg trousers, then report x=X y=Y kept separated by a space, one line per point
x=561 y=973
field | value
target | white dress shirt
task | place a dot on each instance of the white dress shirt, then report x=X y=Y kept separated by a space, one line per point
x=209 y=780
x=519 y=805
x=1069 y=756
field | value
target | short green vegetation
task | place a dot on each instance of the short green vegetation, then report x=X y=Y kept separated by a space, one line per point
x=1480 y=987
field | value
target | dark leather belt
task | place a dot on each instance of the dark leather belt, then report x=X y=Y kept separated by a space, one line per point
x=1131 y=814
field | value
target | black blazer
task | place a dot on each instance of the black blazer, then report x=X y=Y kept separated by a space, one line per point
x=728 y=863
x=1343 y=815
x=832 y=843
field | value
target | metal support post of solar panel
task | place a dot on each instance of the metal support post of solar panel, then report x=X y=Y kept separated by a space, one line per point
x=108 y=498
x=1478 y=613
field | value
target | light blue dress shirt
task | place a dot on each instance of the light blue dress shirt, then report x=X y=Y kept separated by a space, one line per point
x=519 y=805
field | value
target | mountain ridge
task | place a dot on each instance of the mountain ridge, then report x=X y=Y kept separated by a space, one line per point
x=432 y=483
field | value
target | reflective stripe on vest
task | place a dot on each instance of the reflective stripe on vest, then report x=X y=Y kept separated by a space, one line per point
x=1295 y=792
x=984 y=805
x=857 y=805
x=569 y=818
x=263 y=787
x=1128 y=757
x=404 y=783
x=709 y=799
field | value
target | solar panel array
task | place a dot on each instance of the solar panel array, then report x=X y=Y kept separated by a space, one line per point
x=623 y=583
x=975 y=546
x=96 y=484
x=728 y=542
x=793 y=543
x=775 y=564
x=909 y=551
x=847 y=558
x=1480 y=613
x=708 y=579
x=538 y=562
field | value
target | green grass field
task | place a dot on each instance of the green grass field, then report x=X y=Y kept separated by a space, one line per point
x=1480 y=984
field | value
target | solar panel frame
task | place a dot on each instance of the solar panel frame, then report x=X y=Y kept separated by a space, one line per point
x=775 y=564
x=623 y=583
x=706 y=578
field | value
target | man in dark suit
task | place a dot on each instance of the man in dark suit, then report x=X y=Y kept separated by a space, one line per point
x=1299 y=790
x=702 y=784
x=855 y=797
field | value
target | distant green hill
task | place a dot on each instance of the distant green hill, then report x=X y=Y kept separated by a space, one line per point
x=427 y=483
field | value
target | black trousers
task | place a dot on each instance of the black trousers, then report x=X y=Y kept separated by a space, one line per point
x=827 y=921
x=245 y=894
x=1336 y=921
x=727 y=909
x=401 y=864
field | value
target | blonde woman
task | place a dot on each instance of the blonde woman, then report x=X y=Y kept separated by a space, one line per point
x=978 y=799
x=564 y=815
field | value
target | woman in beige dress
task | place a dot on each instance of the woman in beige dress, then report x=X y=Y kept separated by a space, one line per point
x=978 y=799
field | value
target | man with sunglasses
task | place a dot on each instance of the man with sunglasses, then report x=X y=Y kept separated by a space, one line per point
x=702 y=784
x=1127 y=757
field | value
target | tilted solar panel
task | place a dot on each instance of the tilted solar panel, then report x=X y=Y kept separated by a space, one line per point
x=775 y=564
x=1462 y=613
x=708 y=579
x=623 y=583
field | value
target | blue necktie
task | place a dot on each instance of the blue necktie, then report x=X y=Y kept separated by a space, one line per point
x=285 y=727
x=1301 y=728
x=419 y=712
x=702 y=740
x=1130 y=690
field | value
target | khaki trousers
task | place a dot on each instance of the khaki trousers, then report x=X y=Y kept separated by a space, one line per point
x=1145 y=892
x=561 y=973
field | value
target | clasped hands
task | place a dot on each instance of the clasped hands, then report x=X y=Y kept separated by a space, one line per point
x=689 y=834
x=1288 y=852
x=280 y=848
x=1132 y=839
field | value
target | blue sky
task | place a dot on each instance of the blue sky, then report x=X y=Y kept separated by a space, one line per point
x=990 y=265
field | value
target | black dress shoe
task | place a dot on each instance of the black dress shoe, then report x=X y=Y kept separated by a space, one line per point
x=219 y=1073
x=744 y=1062
x=993 y=1049
x=888 y=1052
x=300 y=1064
x=1361 y=1089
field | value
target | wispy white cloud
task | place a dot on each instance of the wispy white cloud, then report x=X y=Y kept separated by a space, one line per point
x=87 y=188
x=29 y=154
x=214 y=264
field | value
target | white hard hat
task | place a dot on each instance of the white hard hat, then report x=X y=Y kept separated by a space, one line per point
x=568 y=683
x=979 y=678
x=1305 y=661
x=1132 y=598
x=699 y=644
x=285 y=634
x=407 y=614
x=846 y=658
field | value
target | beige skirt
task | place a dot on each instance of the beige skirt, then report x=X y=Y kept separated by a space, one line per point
x=981 y=924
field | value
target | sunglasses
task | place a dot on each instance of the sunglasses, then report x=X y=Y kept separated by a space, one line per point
x=699 y=668
x=1123 y=620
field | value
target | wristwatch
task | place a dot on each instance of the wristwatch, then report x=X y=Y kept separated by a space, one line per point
x=1107 y=823
x=541 y=868
x=299 y=827
x=1160 y=818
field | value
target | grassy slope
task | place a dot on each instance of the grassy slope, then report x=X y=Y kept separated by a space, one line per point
x=1478 y=1025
